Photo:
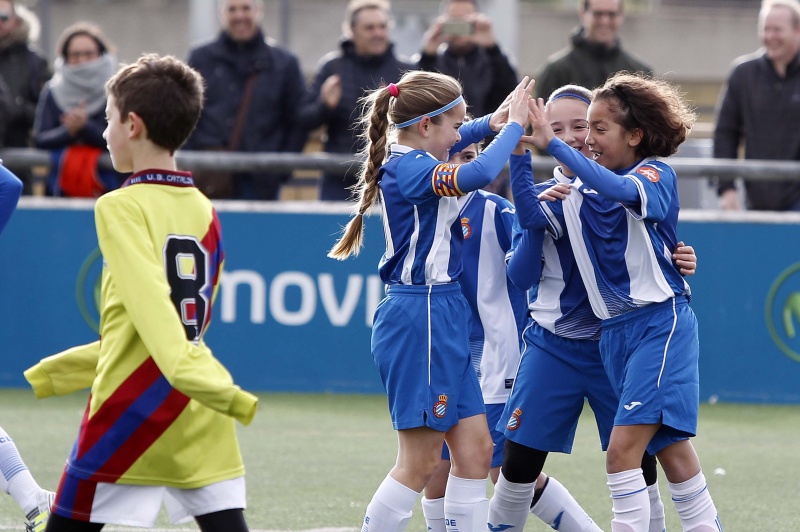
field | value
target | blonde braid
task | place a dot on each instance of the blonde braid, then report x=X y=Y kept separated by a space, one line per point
x=375 y=120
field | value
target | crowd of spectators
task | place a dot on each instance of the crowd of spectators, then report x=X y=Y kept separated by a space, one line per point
x=257 y=99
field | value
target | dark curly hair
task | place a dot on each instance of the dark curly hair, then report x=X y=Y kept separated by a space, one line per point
x=654 y=106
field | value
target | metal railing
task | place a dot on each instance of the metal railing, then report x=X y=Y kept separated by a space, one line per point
x=685 y=167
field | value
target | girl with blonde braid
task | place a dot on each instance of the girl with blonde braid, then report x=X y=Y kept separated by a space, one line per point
x=420 y=336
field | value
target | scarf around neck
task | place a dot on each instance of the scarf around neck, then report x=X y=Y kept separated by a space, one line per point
x=84 y=83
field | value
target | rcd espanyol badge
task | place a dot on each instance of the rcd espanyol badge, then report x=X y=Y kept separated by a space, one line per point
x=466 y=228
x=514 y=421
x=440 y=407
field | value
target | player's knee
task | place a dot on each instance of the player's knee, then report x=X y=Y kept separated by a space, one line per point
x=522 y=464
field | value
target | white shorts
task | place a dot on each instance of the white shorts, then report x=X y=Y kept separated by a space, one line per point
x=130 y=505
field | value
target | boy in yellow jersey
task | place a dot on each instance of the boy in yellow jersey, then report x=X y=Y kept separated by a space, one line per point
x=159 y=426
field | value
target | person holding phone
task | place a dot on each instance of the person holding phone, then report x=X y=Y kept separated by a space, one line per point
x=461 y=43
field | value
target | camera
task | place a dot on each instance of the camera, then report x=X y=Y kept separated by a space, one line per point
x=457 y=27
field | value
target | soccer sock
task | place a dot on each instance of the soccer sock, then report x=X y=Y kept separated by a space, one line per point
x=658 y=522
x=390 y=507
x=694 y=505
x=510 y=504
x=433 y=510
x=15 y=479
x=559 y=509
x=631 y=503
x=466 y=507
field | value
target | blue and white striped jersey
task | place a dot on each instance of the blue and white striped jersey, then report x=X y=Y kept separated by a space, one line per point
x=420 y=209
x=558 y=302
x=498 y=307
x=624 y=252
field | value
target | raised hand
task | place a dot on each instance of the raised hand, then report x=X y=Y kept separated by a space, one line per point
x=519 y=104
x=542 y=131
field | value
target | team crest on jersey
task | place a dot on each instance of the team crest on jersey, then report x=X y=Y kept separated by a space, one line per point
x=515 y=420
x=465 y=227
x=440 y=406
x=444 y=180
x=650 y=173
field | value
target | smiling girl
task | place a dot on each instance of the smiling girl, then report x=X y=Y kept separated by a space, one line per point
x=420 y=336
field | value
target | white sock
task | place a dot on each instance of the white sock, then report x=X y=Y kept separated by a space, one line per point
x=510 y=504
x=466 y=507
x=433 y=510
x=658 y=522
x=631 y=503
x=694 y=505
x=559 y=509
x=15 y=479
x=390 y=507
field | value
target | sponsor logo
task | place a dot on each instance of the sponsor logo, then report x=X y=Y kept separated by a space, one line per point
x=87 y=289
x=440 y=406
x=514 y=421
x=650 y=173
x=782 y=312
x=632 y=405
x=466 y=228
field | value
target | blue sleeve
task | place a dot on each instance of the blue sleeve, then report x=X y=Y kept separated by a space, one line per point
x=504 y=223
x=472 y=132
x=601 y=179
x=524 y=260
x=10 y=191
x=529 y=214
x=490 y=162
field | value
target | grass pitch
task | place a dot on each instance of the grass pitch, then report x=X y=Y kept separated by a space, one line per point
x=313 y=461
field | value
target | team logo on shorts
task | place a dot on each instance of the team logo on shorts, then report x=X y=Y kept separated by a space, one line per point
x=466 y=228
x=514 y=421
x=650 y=173
x=440 y=406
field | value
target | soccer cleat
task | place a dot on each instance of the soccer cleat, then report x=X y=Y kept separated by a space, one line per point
x=37 y=519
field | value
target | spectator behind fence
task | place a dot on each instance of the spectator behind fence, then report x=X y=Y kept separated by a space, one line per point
x=760 y=107
x=70 y=116
x=595 y=52
x=365 y=62
x=461 y=43
x=24 y=72
x=253 y=92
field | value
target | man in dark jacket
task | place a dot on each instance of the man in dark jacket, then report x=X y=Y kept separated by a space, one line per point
x=760 y=107
x=252 y=99
x=23 y=73
x=594 y=54
x=365 y=61
x=461 y=44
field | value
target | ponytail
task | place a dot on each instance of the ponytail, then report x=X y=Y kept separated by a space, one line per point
x=376 y=123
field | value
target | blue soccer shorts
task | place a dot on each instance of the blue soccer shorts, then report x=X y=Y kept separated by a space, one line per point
x=651 y=356
x=420 y=345
x=555 y=377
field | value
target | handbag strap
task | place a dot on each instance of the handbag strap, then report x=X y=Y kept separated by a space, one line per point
x=241 y=114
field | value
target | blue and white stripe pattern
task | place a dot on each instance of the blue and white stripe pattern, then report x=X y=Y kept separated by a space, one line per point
x=498 y=307
x=624 y=254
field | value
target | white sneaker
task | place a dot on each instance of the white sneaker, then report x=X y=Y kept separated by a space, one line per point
x=37 y=519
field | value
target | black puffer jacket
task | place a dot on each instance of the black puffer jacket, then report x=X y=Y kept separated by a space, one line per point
x=485 y=73
x=271 y=123
x=359 y=75
x=585 y=63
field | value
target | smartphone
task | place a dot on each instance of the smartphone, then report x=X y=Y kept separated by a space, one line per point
x=457 y=27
